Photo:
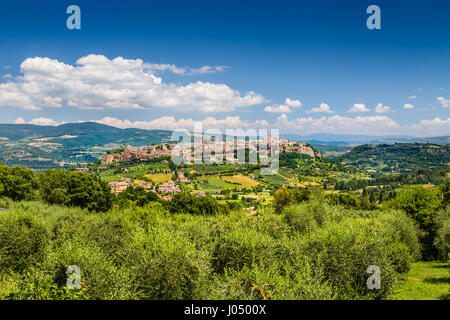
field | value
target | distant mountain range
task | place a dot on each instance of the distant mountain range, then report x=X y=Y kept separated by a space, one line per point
x=42 y=147
x=85 y=134
x=96 y=134
x=328 y=138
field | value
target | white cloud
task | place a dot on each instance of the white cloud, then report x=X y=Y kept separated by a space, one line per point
x=7 y=67
x=96 y=82
x=412 y=97
x=371 y=125
x=20 y=120
x=323 y=108
x=380 y=108
x=171 y=123
x=339 y=124
x=206 y=69
x=293 y=103
x=42 y=121
x=7 y=76
x=358 y=107
x=335 y=123
x=408 y=106
x=277 y=109
x=444 y=102
x=433 y=123
x=433 y=127
x=284 y=108
x=155 y=67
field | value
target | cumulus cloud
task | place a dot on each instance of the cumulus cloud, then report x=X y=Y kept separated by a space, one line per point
x=293 y=103
x=335 y=124
x=435 y=126
x=358 y=107
x=284 y=108
x=338 y=124
x=96 y=82
x=444 y=102
x=434 y=122
x=42 y=121
x=408 y=106
x=371 y=125
x=380 y=108
x=323 y=108
x=277 y=109
x=171 y=123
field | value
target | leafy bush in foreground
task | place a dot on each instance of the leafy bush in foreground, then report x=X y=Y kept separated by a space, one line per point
x=309 y=251
x=22 y=241
x=442 y=240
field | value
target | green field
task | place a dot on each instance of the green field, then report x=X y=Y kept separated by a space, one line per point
x=133 y=172
x=215 y=183
x=158 y=178
x=242 y=180
x=425 y=281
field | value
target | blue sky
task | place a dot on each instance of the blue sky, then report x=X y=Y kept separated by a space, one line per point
x=233 y=63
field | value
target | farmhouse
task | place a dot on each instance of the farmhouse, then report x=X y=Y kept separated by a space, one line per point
x=118 y=187
x=182 y=177
x=169 y=187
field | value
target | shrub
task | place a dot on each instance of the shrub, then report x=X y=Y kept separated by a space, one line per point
x=345 y=250
x=101 y=277
x=344 y=199
x=170 y=268
x=310 y=251
x=421 y=204
x=442 y=240
x=18 y=183
x=75 y=189
x=22 y=240
x=137 y=196
x=240 y=247
x=299 y=218
x=5 y=202
x=36 y=284
x=188 y=203
x=260 y=282
x=281 y=199
x=402 y=228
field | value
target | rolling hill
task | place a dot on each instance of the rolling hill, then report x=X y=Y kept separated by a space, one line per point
x=398 y=158
x=41 y=147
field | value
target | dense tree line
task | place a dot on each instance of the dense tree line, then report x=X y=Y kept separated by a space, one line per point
x=402 y=157
x=419 y=177
x=55 y=186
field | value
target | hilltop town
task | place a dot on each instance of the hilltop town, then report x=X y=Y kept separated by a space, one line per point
x=161 y=179
x=128 y=153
